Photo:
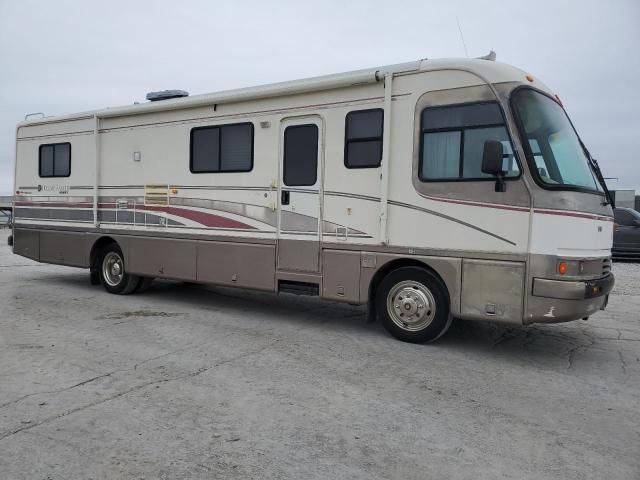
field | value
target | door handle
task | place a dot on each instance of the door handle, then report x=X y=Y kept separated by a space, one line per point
x=285 y=197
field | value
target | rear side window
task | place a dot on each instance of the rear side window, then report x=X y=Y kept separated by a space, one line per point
x=300 y=155
x=54 y=160
x=363 y=138
x=223 y=148
x=452 y=142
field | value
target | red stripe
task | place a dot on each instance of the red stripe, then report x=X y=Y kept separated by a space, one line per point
x=206 y=219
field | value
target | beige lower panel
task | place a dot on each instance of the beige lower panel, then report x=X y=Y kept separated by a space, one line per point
x=492 y=290
x=65 y=248
x=237 y=264
x=300 y=255
x=341 y=275
x=162 y=257
x=26 y=243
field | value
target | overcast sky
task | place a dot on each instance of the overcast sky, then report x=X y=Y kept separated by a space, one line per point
x=62 y=57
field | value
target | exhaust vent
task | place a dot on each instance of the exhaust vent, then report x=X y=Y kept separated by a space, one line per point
x=166 y=95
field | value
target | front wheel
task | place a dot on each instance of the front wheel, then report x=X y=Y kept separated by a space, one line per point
x=413 y=305
x=113 y=276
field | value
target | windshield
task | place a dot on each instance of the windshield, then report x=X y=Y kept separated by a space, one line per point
x=558 y=158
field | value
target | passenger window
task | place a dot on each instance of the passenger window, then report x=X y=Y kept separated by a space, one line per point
x=54 y=160
x=453 y=140
x=219 y=149
x=300 y=155
x=363 y=138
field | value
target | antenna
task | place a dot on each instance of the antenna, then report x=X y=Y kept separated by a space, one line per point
x=462 y=37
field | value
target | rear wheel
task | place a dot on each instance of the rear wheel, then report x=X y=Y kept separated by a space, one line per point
x=413 y=305
x=113 y=275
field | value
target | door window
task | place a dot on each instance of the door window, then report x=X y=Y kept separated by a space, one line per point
x=300 y=155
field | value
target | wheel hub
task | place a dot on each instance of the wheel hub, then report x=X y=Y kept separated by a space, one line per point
x=112 y=269
x=411 y=305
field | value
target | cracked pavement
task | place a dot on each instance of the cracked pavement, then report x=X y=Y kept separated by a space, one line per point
x=199 y=382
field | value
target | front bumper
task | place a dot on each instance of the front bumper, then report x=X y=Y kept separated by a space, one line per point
x=568 y=290
x=553 y=301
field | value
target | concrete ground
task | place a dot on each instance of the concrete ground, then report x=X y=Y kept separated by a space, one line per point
x=194 y=382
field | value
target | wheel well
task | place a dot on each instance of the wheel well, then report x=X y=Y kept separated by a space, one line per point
x=394 y=265
x=95 y=250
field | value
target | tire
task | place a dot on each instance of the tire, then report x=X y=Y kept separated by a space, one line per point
x=113 y=275
x=144 y=284
x=413 y=305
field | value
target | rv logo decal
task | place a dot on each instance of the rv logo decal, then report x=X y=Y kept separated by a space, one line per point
x=54 y=188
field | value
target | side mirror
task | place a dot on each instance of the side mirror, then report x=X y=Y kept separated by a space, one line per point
x=636 y=223
x=492 y=162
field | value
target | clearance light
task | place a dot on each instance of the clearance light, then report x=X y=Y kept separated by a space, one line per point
x=559 y=101
x=562 y=268
x=530 y=78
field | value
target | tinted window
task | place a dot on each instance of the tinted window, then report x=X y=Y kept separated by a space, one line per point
x=363 y=138
x=453 y=141
x=462 y=116
x=55 y=160
x=226 y=148
x=623 y=217
x=205 y=150
x=300 y=155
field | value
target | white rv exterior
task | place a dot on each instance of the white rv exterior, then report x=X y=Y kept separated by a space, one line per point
x=363 y=187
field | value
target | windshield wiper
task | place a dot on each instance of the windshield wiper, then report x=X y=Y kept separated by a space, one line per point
x=600 y=177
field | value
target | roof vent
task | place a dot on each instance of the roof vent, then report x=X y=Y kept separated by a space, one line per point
x=166 y=95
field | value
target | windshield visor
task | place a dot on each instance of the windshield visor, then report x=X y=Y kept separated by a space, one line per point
x=555 y=153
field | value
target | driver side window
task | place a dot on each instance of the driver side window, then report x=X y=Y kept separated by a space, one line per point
x=453 y=138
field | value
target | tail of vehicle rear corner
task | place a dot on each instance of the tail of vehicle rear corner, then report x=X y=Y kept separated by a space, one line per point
x=570 y=265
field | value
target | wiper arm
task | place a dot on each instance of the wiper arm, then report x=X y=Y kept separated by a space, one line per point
x=600 y=177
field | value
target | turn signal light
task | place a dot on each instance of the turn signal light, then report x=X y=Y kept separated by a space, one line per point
x=562 y=268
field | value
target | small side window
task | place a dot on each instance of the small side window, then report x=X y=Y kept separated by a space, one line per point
x=363 y=138
x=54 y=160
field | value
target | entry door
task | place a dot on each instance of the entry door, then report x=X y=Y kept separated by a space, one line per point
x=299 y=221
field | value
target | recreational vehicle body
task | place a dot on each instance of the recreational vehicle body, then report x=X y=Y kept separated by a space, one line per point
x=427 y=190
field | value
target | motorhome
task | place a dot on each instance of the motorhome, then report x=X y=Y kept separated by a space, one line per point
x=429 y=190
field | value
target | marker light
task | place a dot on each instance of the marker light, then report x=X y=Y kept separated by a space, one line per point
x=562 y=268
x=559 y=101
x=529 y=77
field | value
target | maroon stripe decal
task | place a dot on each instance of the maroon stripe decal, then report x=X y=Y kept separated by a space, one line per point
x=206 y=219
